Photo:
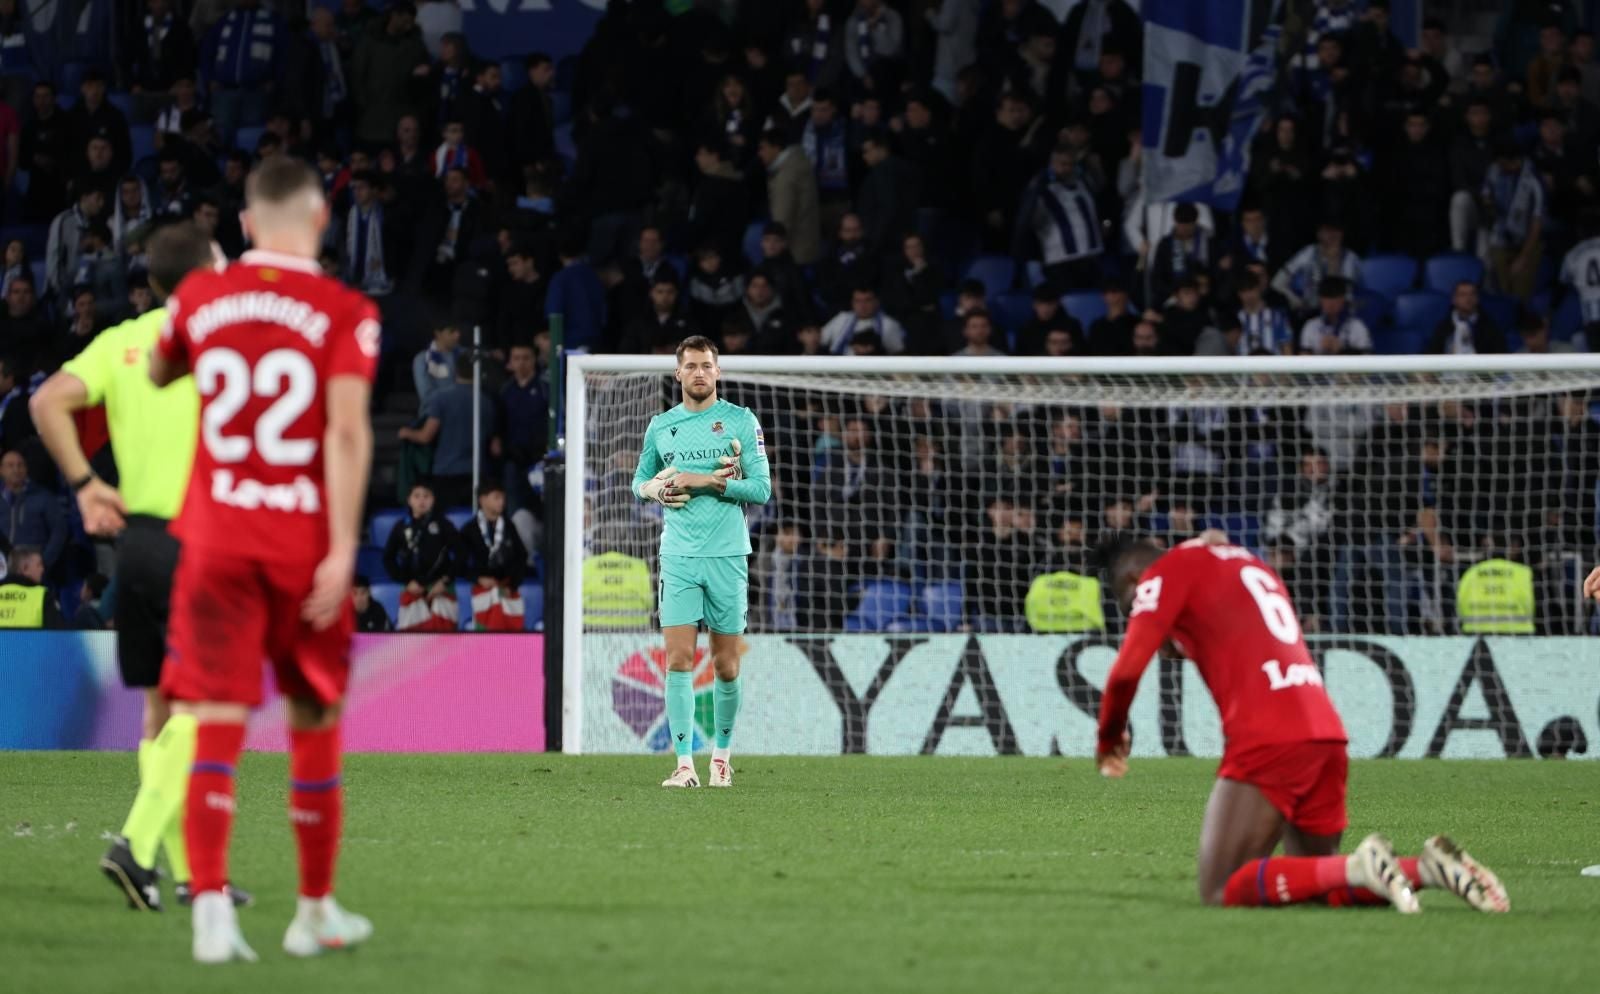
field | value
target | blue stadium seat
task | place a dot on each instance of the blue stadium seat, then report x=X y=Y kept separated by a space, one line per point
x=388 y=594
x=121 y=101
x=680 y=264
x=1085 y=307
x=1567 y=319
x=1390 y=275
x=752 y=241
x=1443 y=272
x=143 y=140
x=459 y=516
x=369 y=561
x=533 y=607
x=1401 y=340
x=1241 y=529
x=566 y=147
x=560 y=107
x=381 y=525
x=1372 y=308
x=1420 y=309
x=996 y=272
x=1035 y=272
x=947 y=304
x=1013 y=310
x=245 y=139
x=32 y=236
x=513 y=74
x=940 y=607
x=566 y=73
x=464 y=604
x=885 y=606
x=38 y=268
x=1502 y=310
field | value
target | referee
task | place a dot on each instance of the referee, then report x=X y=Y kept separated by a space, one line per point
x=153 y=436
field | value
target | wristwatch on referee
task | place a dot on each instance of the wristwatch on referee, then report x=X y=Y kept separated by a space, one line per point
x=88 y=478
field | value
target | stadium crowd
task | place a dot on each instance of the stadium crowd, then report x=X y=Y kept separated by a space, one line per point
x=858 y=177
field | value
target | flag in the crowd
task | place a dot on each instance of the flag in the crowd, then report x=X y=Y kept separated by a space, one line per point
x=1209 y=69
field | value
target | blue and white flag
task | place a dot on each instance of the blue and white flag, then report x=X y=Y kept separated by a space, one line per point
x=1209 y=68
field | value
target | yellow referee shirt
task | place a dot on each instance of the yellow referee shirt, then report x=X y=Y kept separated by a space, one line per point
x=153 y=430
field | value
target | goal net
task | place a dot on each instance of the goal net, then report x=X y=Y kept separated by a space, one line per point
x=928 y=576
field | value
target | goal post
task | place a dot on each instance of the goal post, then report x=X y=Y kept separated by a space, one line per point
x=927 y=575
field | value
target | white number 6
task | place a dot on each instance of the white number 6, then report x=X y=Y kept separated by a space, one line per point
x=1276 y=610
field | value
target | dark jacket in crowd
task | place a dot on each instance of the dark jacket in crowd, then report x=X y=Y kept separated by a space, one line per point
x=421 y=551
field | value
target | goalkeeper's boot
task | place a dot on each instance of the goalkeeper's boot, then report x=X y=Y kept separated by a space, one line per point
x=683 y=776
x=1375 y=866
x=241 y=897
x=721 y=774
x=320 y=925
x=1447 y=866
x=140 y=886
x=217 y=938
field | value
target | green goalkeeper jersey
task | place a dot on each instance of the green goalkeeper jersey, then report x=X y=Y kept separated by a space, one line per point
x=710 y=524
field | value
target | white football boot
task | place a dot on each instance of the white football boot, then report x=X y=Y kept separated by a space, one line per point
x=683 y=776
x=217 y=938
x=1447 y=866
x=1374 y=866
x=721 y=774
x=320 y=925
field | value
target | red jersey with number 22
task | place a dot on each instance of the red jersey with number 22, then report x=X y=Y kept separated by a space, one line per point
x=263 y=338
x=1230 y=614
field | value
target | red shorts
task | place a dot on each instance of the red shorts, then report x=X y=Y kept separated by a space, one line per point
x=228 y=613
x=1305 y=781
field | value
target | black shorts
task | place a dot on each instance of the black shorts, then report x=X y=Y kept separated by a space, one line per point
x=147 y=556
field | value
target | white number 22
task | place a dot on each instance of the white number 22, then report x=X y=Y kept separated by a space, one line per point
x=1276 y=610
x=224 y=376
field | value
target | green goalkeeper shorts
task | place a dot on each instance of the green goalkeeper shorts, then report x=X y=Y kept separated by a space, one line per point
x=715 y=589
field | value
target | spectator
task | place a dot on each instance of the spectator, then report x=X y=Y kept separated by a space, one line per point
x=16 y=423
x=1058 y=214
x=874 y=46
x=1090 y=30
x=720 y=207
x=1298 y=531
x=25 y=331
x=24 y=600
x=1577 y=111
x=183 y=97
x=1335 y=330
x=437 y=19
x=140 y=299
x=97 y=168
x=386 y=61
x=1466 y=330
x=955 y=22
x=854 y=484
x=1005 y=160
x=997 y=582
x=1514 y=209
x=323 y=89
x=173 y=195
x=454 y=153
x=62 y=249
x=1186 y=322
x=533 y=114
x=1048 y=319
x=368 y=241
x=1263 y=329
x=825 y=141
x=94 y=117
x=79 y=328
x=792 y=196
x=889 y=194
x=977 y=331
x=1185 y=253
x=1310 y=267
x=370 y=615
x=133 y=210
x=1543 y=67
x=762 y=316
x=13 y=263
x=1113 y=333
x=48 y=153
x=911 y=289
x=661 y=324
x=241 y=60
x=863 y=315
x=1534 y=330
x=793 y=111
x=447 y=427
x=433 y=369
x=849 y=263
x=32 y=516
x=576 y=294
x=611 y=180
x=522 y=436
x=826 y=594
x=715 y=289
x=493 y=560
x=446 y=236
x=89 y=616
x=483 y=111
x=521 y=300
x=420 y=554
x=1417 y=197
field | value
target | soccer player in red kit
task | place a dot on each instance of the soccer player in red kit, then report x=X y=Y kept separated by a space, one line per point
x=1282 y=777
x=283 y=358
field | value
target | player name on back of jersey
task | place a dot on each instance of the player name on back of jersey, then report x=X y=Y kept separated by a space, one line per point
x=263 y=306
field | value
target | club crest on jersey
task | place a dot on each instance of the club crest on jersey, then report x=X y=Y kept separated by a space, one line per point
x=716 y=427
x=666 y=457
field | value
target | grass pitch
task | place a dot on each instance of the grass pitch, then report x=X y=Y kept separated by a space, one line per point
x=548 y=873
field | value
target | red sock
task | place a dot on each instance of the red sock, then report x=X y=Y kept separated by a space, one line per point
x=1360 y=895
x=208 y=815
x=1284 y=880
x=316 y=806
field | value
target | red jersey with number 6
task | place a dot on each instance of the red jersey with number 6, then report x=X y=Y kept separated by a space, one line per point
x=1230 y=614
x=263 y=337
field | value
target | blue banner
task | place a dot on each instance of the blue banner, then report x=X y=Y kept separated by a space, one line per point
x=502 y=29
x=1208 y=71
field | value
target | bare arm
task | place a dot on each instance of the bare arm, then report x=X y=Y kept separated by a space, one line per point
x=52 y=406
x=423 y=435
x=164 y=371
x=347 y=458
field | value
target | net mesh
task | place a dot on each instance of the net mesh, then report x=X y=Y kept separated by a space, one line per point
x=939 y=502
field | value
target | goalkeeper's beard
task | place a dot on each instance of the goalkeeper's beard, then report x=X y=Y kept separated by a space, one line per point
x=699 y=394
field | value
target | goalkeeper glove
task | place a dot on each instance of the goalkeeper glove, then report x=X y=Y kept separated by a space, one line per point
x=731 y=469
x=659 y=489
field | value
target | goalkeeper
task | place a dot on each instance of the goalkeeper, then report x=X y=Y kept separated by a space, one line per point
x=703 y=461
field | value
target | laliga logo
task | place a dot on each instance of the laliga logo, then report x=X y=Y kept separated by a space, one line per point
x=639 y=696
x=524 y=6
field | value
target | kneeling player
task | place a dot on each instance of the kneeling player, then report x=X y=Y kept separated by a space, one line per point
x=1282 y=777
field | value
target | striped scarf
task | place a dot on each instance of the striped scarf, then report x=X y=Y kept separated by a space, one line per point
x=363 y=243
